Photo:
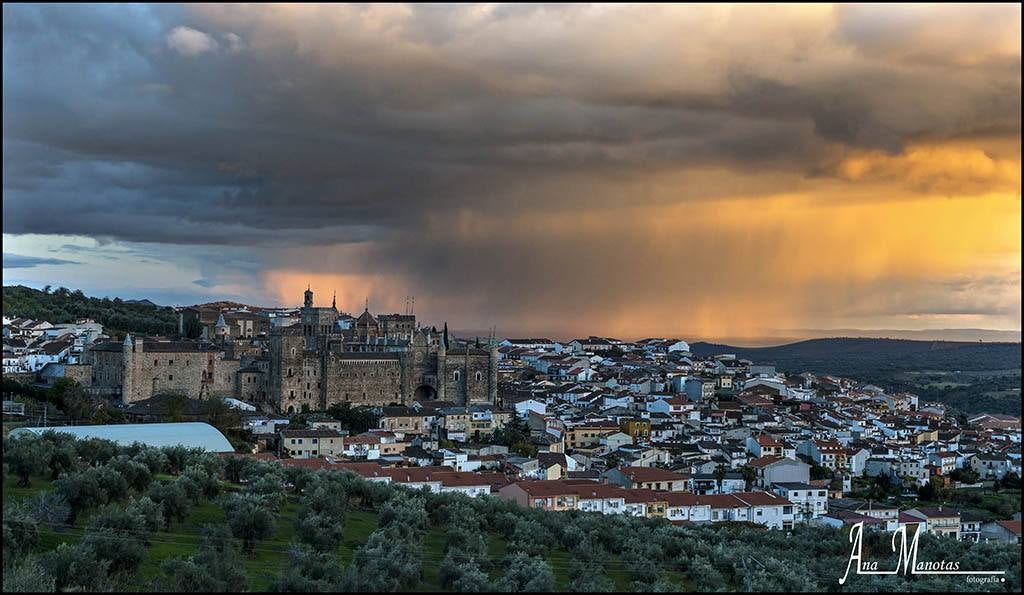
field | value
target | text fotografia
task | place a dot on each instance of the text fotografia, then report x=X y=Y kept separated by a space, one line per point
x=907 y=560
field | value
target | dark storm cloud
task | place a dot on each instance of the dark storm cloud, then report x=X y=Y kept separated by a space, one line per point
x=273 y=127
x=17 y=261
x=295 y=132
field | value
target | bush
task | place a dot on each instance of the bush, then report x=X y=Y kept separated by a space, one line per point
x=121 y=550
x=249 y=518
x=526 y=573
x=112 y=482
x=149 y=512
x=28 y=577
x=463 y=575
x=136 y=473
x=20 y=531
x=215 y=567
x=310 y=571
x=174 y=503
x=96 y=451
x=385 y=563
x=25 y=456
x=81 y=490
x=76 y=567
x=153 y=458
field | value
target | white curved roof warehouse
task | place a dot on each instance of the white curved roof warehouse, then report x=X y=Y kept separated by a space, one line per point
x=189 y=434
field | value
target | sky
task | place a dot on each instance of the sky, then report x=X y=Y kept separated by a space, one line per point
x=626 y=170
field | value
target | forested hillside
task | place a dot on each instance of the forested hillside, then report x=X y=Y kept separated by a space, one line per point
x=89 y=515
x=64 y=305
x=970 y=377
x=852 y=356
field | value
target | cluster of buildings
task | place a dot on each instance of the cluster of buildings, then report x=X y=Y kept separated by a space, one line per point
x=619 y=427
x=286 y=360
x=29 y=345
x=647 y=428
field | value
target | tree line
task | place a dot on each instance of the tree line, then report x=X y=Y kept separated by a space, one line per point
x=63 y=305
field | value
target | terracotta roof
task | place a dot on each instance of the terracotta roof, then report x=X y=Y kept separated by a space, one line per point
x=648 y=474
x=743 y=500
x=546 y=489
x=309 y=433
x=764 y=461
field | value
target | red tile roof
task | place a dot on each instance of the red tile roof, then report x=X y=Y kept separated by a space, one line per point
x=649 y=474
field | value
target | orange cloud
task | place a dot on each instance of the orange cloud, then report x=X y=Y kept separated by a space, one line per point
x=937 y=168
x=821 y=258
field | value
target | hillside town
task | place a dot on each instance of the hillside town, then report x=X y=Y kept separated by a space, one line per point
x=642 y=428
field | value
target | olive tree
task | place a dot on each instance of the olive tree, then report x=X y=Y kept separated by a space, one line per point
x=249 y=518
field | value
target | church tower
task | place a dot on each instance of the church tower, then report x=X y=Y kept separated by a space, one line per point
x=127 y=373
x=442 y=357
x=307 y=301
x=492 y=365
x=221 y=329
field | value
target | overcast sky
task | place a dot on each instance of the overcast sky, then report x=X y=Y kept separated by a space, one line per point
x=628 y=170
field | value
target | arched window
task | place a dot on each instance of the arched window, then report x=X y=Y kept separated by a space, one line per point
x=478 y=376
x=457 y=376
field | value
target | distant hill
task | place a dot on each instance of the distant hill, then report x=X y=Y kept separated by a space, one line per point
x=141 y=303
x=64 y=305
x=229 y=305
x=852 y=356
x=970 y=377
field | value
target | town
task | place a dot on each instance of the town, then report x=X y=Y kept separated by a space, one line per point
x=642 y=428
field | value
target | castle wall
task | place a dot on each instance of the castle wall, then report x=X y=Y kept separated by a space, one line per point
x=107 y=369
x=312 y=364
x=363 y=379
x=294 y=373
x=467 y=384
x=142 y=371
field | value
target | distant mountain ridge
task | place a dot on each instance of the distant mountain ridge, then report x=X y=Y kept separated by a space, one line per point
x=142 y=303
x=857 y=356
x=814 y=353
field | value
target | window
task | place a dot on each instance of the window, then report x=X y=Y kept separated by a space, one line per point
x=156 y=362
x=456 y=376
x=170 y=362
x=170 y=377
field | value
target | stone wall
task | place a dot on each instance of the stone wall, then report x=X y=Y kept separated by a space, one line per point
x=80 y=373
x=148 y=369
x=107 y=369
x=290 y=369
x=467 y=384
x=251 y=386
x=363 y=379
x=376 y=376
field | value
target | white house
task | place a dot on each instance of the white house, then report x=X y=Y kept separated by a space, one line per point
x=810 y=502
